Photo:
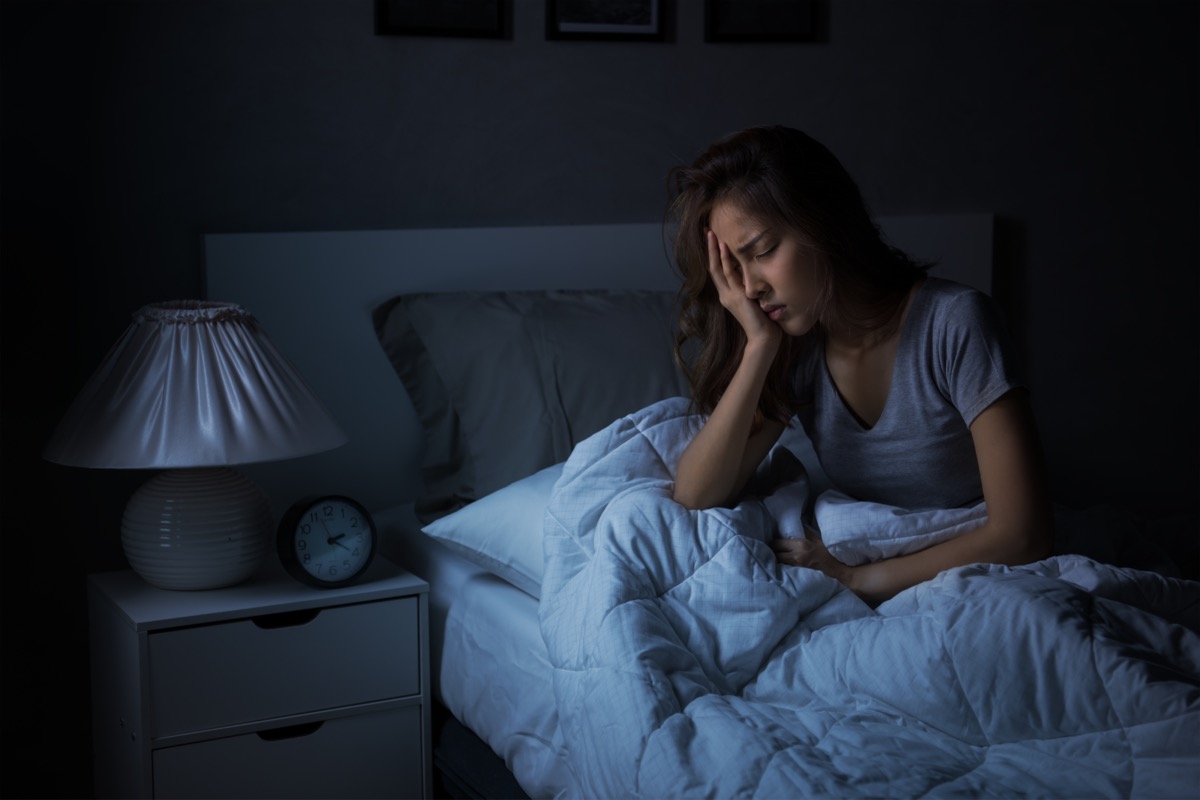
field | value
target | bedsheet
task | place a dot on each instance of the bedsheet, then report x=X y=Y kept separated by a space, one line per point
x=494 y=679
x=688 y=662
x=489 y=664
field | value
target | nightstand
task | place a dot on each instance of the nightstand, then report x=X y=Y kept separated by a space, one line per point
x=267 y=689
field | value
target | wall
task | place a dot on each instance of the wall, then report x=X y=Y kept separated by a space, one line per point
x=132 y=128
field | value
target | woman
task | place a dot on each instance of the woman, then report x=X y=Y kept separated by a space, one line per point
x=903 y=382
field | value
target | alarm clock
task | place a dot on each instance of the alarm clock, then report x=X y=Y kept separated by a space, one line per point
x=326 y=541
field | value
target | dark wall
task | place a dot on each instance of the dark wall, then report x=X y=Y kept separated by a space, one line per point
x=130 y=129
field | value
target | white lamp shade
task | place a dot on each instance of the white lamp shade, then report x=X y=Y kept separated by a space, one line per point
x=192 y=384
x=193 y=387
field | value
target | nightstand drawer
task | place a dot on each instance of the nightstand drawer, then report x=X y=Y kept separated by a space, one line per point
x=367 y=755
x=221 y=674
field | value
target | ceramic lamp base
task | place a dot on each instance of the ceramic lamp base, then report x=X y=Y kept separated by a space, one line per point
x=193 y=529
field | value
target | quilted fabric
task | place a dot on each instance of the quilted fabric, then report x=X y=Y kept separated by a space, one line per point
x=688 y=662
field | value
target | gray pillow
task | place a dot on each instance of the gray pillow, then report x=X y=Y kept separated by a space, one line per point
x=507 y=383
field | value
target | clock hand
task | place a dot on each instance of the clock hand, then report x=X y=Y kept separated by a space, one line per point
x=336 y=540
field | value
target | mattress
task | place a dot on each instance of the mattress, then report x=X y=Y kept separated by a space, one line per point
x=489 y=664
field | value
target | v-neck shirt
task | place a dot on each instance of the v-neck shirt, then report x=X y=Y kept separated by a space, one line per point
x=953 y=360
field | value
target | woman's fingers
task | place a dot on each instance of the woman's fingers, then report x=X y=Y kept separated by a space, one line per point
x=791 y=551
x=727 y=278
x=724 y=272
x=733 y=276
x=716 y=263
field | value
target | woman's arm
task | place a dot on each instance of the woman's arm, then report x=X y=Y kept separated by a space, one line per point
x=1019 y=528
x=724 y=454
x=720 y=459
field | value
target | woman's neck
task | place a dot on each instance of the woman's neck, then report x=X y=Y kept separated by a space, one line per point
x=857 y=341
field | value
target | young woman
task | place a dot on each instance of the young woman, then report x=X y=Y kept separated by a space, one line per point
x=903 y=382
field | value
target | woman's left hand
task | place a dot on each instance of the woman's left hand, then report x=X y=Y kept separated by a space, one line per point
x=813 y=554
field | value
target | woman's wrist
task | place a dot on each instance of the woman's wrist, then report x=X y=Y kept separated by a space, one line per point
x=765 y=347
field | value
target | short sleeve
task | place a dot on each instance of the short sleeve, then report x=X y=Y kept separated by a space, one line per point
x=976 y=360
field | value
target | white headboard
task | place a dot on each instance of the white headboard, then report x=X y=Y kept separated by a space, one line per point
x=315 y=293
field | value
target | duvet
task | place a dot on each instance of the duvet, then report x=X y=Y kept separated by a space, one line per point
x=688 y=662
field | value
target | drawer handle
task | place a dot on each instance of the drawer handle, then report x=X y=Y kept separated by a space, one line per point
x=291 y=731
x=286 y=619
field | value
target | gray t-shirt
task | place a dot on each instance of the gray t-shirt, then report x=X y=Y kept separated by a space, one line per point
x=953 y=360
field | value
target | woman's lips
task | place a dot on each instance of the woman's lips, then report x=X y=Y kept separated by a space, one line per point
x=774 y=312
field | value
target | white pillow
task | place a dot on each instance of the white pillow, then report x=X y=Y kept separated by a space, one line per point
x=502 y=531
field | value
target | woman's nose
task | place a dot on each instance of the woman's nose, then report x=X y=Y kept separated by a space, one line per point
x=753 y=284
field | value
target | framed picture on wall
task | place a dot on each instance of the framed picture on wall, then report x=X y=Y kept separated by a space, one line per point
x=759 y=21
x=486 y=19
x=629 y=20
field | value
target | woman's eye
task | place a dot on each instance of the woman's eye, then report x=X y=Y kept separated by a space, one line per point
x=763 y=255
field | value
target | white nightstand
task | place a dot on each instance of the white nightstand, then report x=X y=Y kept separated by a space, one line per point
x=268 y=689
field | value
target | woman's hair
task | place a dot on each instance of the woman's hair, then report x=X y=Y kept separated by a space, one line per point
x=786 y=179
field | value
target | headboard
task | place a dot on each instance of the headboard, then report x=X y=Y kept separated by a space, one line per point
x=314 y=292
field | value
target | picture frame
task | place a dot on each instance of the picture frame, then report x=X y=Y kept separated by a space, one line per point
x=607 y=20
x=478 y=19
x=760 y=21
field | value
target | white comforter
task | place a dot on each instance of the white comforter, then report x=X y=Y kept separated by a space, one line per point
x=688 y=662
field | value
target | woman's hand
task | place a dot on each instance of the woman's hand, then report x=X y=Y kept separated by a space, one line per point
x=813 y=554
x=727 y=277
x=720 y=459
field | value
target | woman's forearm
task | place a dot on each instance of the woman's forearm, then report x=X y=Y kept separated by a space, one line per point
x=715 y=464
x=989 y=544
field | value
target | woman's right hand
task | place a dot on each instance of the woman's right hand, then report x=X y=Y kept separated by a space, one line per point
x=727 y=277
x=720 y=459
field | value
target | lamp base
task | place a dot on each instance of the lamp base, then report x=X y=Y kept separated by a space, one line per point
x=193 y=529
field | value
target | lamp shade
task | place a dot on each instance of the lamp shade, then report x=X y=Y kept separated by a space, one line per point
x=192 y=388
x=192 y=384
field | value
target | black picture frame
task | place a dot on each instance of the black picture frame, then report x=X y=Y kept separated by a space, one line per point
x=760 y=21
x=475 y=19
x=607 y=20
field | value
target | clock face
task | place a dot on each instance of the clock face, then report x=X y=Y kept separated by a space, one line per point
x=328 y=541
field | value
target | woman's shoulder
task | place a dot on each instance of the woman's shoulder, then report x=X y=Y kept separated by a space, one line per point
x=946 y=289
x=957 y=317
x=953 y=301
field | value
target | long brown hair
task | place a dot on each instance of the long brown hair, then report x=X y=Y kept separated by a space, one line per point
x=784 y=178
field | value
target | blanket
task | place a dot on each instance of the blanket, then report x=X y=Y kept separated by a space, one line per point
x=688 y=662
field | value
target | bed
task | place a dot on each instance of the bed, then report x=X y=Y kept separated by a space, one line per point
x=513 y=413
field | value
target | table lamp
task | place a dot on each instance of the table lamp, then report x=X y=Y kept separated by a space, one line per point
x=192 y=388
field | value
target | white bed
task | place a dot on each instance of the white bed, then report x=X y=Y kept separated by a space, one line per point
x=315 y=293
x=322 y=297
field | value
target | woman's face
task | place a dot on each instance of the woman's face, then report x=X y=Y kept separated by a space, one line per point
x=778 y=269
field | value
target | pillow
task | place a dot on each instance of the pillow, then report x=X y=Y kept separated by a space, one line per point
x=507 y=383
x=502 y=532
